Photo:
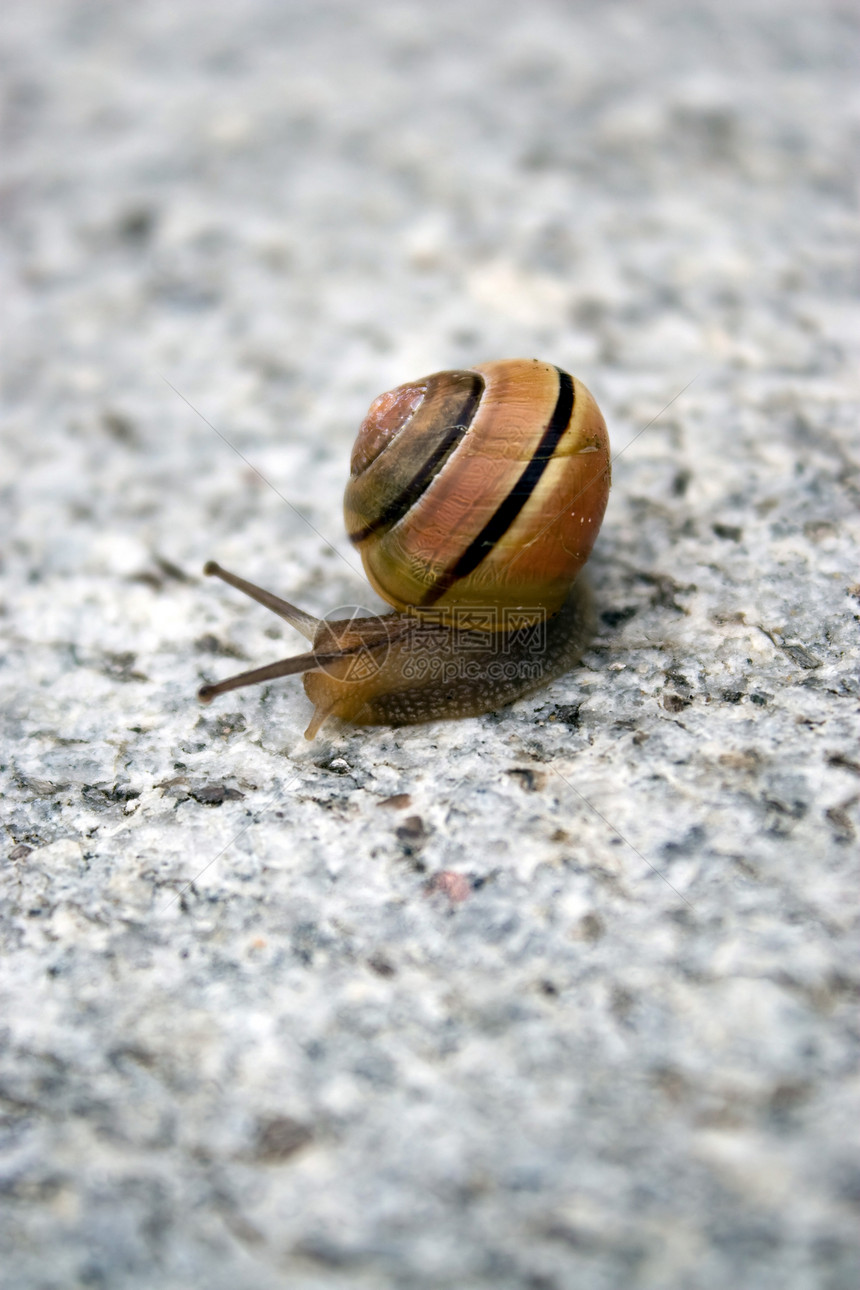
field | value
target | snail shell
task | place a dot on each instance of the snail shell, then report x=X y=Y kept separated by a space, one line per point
x=474 y=499
x=479 y=487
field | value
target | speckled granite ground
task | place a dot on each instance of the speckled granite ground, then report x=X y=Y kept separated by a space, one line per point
x=560 y=997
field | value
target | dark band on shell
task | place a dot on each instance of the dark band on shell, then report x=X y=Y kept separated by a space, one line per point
x=481 y=546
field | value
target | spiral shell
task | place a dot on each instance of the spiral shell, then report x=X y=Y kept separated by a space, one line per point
x=481 y=487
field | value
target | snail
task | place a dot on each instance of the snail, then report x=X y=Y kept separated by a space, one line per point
x=474 y=499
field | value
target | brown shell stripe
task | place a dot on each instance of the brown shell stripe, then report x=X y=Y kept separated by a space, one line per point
x=449 y=434
x=503 y=517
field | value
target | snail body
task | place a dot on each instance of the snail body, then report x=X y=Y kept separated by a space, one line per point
x=474 y=499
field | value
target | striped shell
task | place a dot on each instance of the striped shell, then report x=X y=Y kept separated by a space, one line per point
x=481 y=488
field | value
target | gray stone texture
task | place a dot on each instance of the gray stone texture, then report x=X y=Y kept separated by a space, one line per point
x=560 y=998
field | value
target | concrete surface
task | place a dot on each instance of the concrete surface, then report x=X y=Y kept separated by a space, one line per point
x=562 y=997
